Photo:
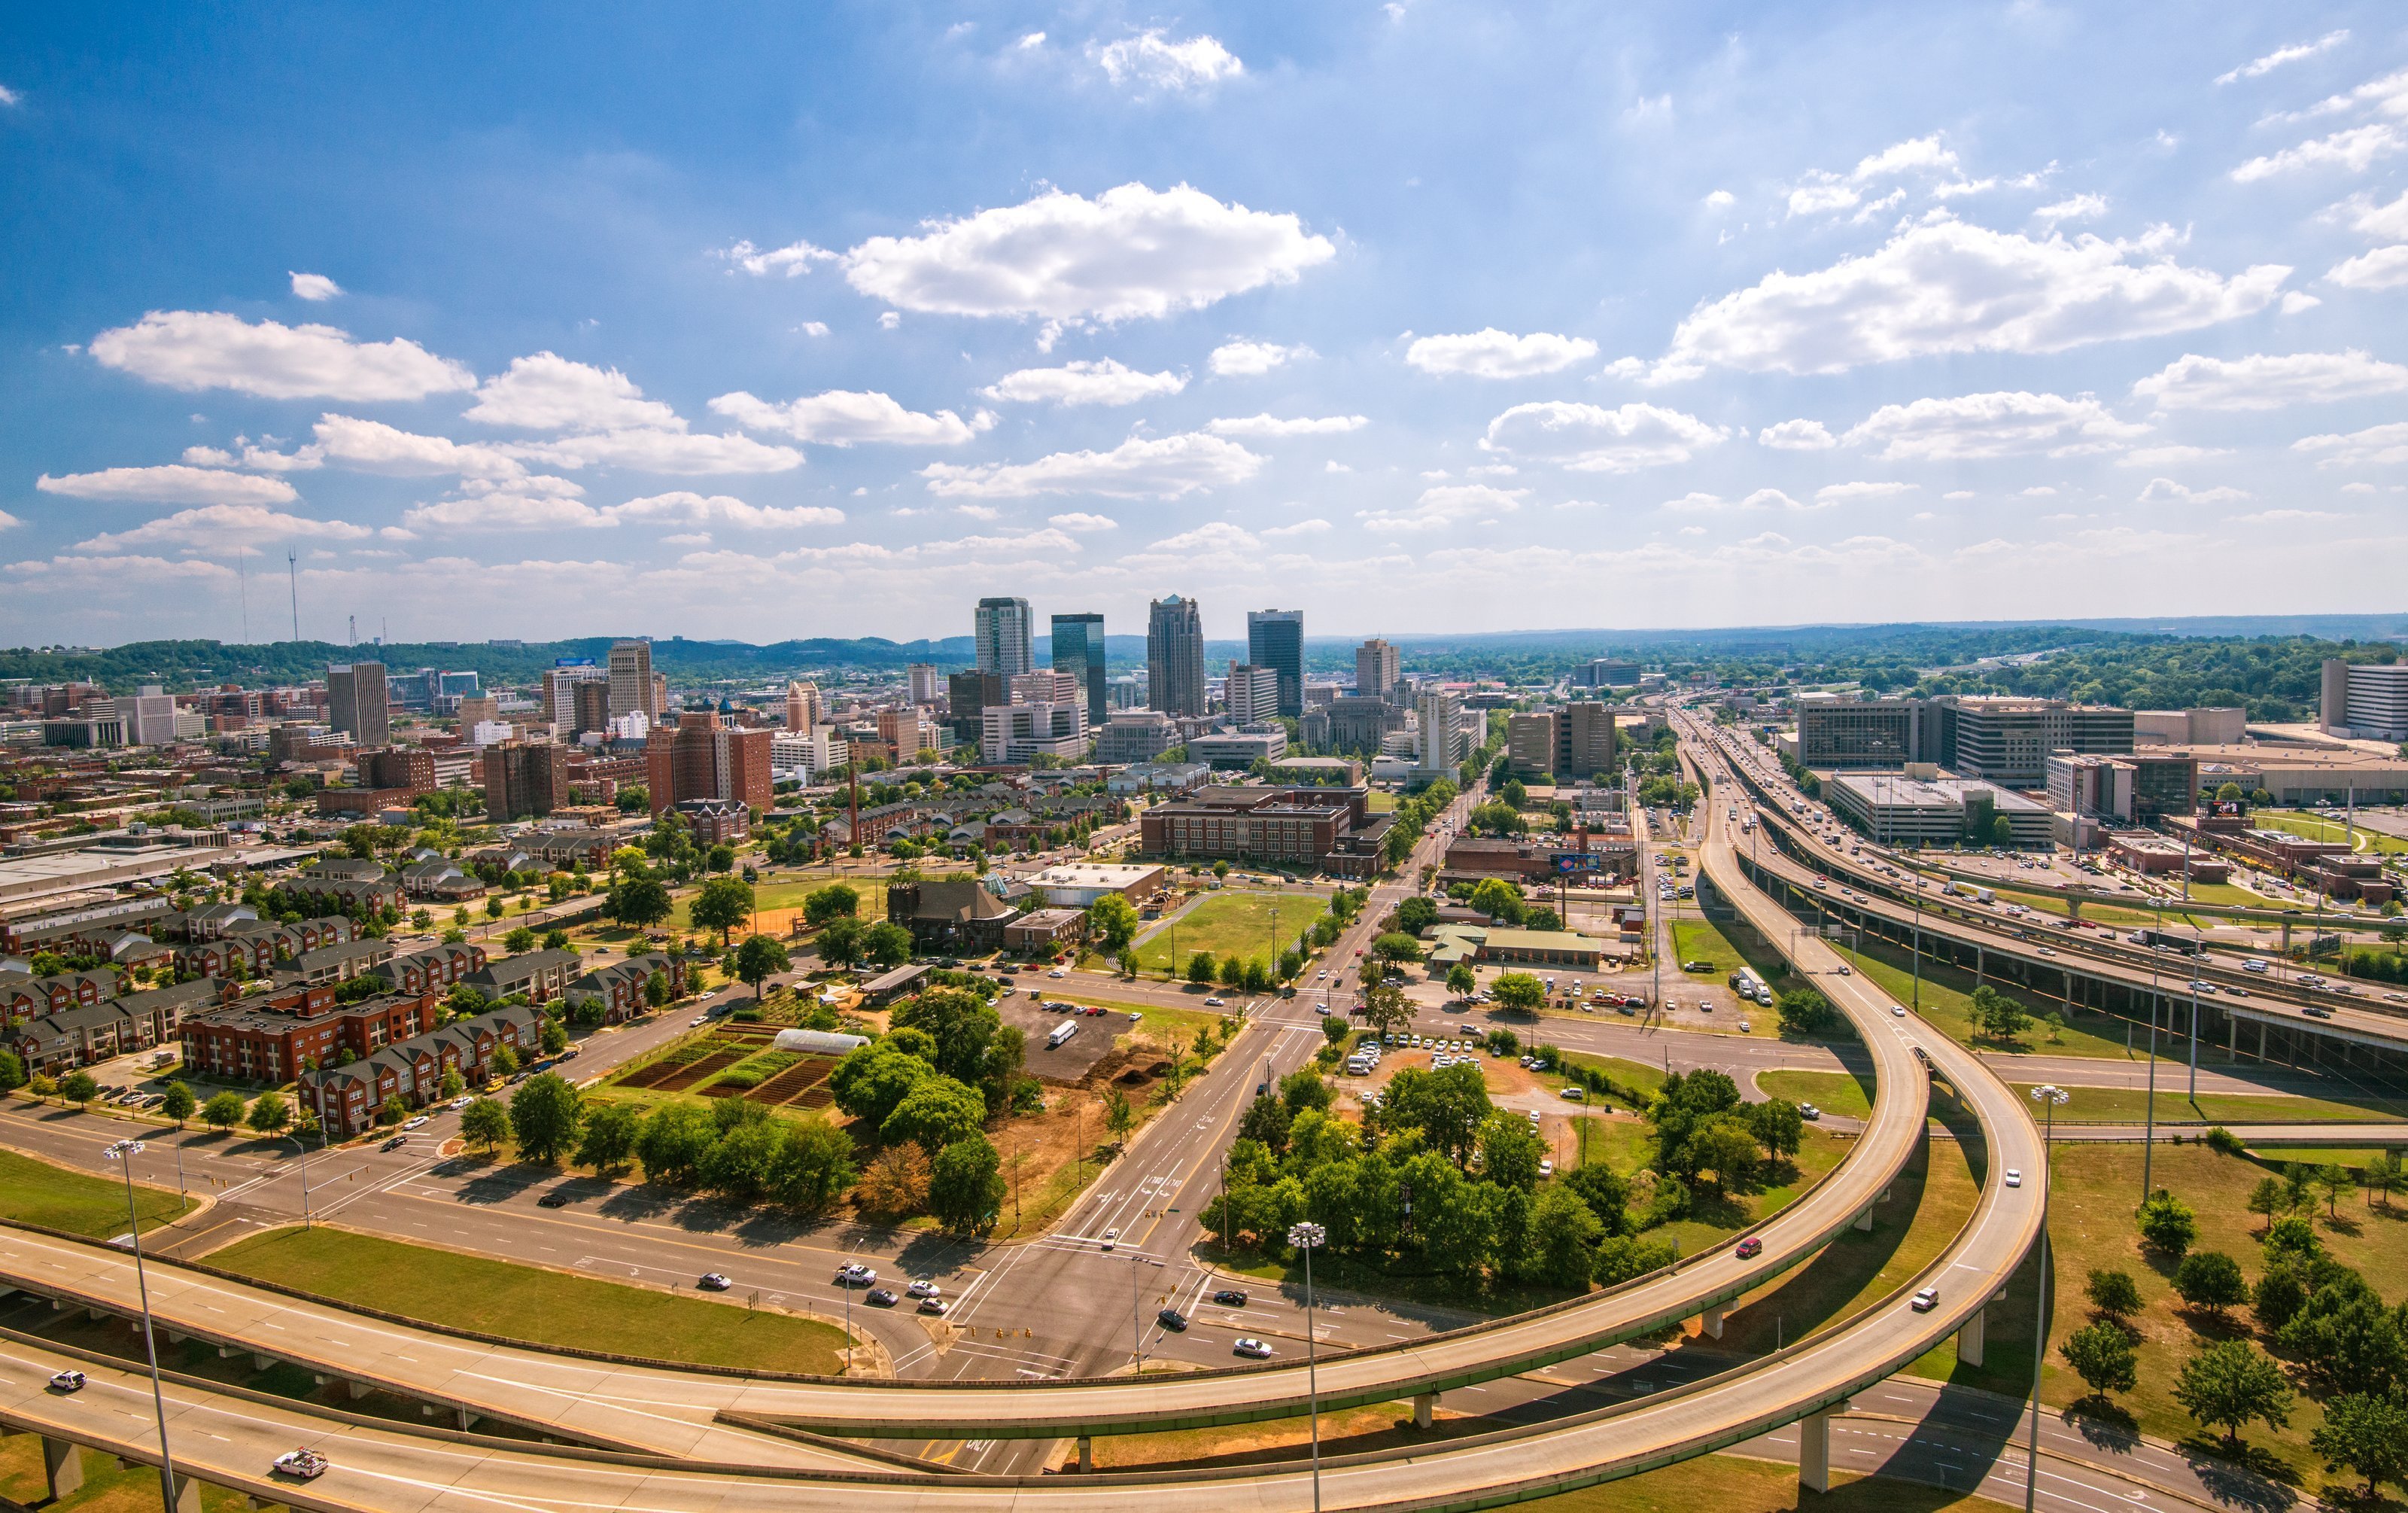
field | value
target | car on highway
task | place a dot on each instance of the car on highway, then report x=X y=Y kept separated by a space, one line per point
x=66 y=1381
x=1749 y=1248
x=856 y=1275
x=713 y=1282
x=1925 y=1301
x=1231 y=1297
x=2317 y=1011
x=1057 y=972
x=303 y=1464
x=1214 y=1003
x=1171 y=1320
x=2015 y=1178
x=1898 y=1011
x=923 y=1288
x=879 y=1297
x=1846 y=971
x=938 y=1307
x=1252 y=1350
x=554 y=1199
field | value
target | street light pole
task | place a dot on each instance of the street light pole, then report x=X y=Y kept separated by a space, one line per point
x=1307 y=1237
x=123 y=1153
x=2048 y=1098
x=2149 y=1117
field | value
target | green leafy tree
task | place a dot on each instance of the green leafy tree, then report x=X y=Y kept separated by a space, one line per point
x=1605 y=1191
x=269 y=1114
x=1461 y=980
x=674 y=1140
x=608 y=1139
x=519 y=942
x=2230 y=1384
x=452 y=1084
x=1563 y=1238
x=2167 y=1223
x=1519 y=991
x=815 y=1164
x=79 y=1088
x=842 y=942
x=2368 y=1433
x=223 y=1111
x=2267 y=1199
x=966 y=1185
x=544 y=1117
x=760 y=958
x=1497 y=900
x=1510 y=1150
x=724 y=903
x=837 y=901
x=2332 y=1179
x=887 y=944
x=177 y=1102
x=553 y=1036
x=1386 y=1010
x=2381 y=1177
x=1396 y=947
x=640 y=903
x=2102 y=1356
x=1777 y=1124
x=1996 y=1015
x=485 y=1122
x=738 y=1165
x=1804 y=1012
x=1112 y=925
x=1202 y=968
x=1446 y=1107
x=2211 y=1280
x=960 y=1025
x=937 y=1112
x=393 y=1110
x=872 y=1079
x=658 y=990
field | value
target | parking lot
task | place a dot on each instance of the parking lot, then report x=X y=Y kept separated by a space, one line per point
x=1070 y=1061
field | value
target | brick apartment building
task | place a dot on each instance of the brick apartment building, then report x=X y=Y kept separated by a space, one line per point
x=619 y=986
x=390 y=777
x=88 y=1032
x=347 y=1098
x=432 y=969
x=1332 y=830
x=703 y=758
x=23 y=996
x=523 y=780
x=276 y=1040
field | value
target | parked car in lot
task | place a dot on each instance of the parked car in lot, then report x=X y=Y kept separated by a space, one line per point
x=715 y=1282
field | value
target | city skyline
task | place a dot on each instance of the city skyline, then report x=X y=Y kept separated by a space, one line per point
x=2045 y=312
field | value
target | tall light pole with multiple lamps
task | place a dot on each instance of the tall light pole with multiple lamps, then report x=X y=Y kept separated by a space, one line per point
x=2048 y=1098
x=1308 y=1237
x=123 y=1153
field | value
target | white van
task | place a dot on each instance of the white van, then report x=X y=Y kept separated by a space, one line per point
x=1061 y=1032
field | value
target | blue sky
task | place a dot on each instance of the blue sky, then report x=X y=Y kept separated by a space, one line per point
x=527 y=321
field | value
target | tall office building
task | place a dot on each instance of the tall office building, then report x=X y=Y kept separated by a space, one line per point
x=1004 y=634
x=2365 y=701
x=702 y=758
x=1585 y=735
x=1046 y=685
x=523 y=780
x=1174 y=657
x=922 y=683
x=560 y=688
x=356 y=702
x=803 y=708
x=589 y=709
x=631 y=681
x=1377 y=668
x=1252 y=693
x=1275 y=640
x=1079 y=650
x=149 y=716
x=1442 y=744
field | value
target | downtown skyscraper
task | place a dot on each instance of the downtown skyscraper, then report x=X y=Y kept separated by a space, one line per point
x=1079 y=650
x=1175 y=657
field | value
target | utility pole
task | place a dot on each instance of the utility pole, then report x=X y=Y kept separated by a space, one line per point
x=292 y=574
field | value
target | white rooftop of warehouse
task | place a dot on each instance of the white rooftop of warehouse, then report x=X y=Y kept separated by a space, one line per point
x=1890 y=789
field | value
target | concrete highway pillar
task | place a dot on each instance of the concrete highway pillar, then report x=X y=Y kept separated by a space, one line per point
x=466 y=1418
x=95 y=1315
x=1424 y=1409
x=1086 y=1452
x=2232 y=1036
x=358 y=1390
x=1814 y=1452
x=188 y=1495
x=62 y=1467
x=261 y=1362
x=1865 y=1217
x=1969 y=1339
x=2261 y=1040
x=1713 y=1323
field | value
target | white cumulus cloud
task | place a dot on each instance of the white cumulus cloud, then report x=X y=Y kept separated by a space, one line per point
x=1998 y=424
x=1313 y=526
x=1102 y=381
x=2354 y=150
x=1131 y=252
x=663 y=451
x=2375 y=446
x=1164 y=467
x=1841 y=493
x=549 y=393
x=371 y=446
x=503 y=509
x=1446 y=504
x=169 y=483
x=1591 y=438
x=1271 y=426
x=790 y=261
x=841 y=417
x=1947 y=286
x=2386 y=268
x=2270 y=382
x=216 y=525
x=2074 y=208
x=2166 y=490
x=685 y=508
x=1796 y=436
x=1491 y=354
x=314 y=287
x=195 y=349
x=2257 y=67
x=1253 y=359
x=1152 y=61
x=1080 y=521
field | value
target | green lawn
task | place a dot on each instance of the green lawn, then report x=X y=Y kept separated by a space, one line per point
x=2128 y=1105
x=1729 y=947
x=2353 y=1156
x=1627 y=1145
x=1947 y=998
x=1834 y=1092
x=527 y=1303
x=37 y=1192
x=1231 y=923
x=789 y=893
x=108 y=1486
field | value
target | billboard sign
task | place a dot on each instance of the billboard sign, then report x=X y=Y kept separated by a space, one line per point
x=1571 y=862
x=572 y=661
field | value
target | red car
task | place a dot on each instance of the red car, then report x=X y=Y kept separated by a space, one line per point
x=1750 y=1248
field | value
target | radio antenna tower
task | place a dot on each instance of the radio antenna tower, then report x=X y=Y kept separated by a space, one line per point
x=293 y=573
x=242 y=581
x=354 y=639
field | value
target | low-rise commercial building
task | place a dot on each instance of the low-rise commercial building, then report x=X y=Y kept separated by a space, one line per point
x=1238 y=749
x=959 y=916
x=1916 y=812
x=1075 y=884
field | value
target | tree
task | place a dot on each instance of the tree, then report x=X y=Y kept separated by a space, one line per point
x=80 y=1088
x=640 y=903
x=505 y=1062
x=1778 y=1125
x=966 y=1185
x=2367 y=1434
x=724 y=903
x=1396 y=946
x=1201 y=969
x=393 y=1110
x=223 y=1111
x=673 y=1142
x=657 y=989
x=760 y=958
x=937 y=1110
x=1448 y=1108
x=842 y=940
x=1386 y=1010
x=1497 y=900
x=2267 y=1199
x=2114 y=1293
x=2381 y=1176
x=887 y=944
x=960 y=1026
x=553 y=1036
x=872 y=1079
x=1804 y=1012
x=1112 y=924
x=608 y=1138
x=1997 y=1016
x=452 y=1084
x=896 y=1181
x=1416 y=913
x=2332 y=1179
x=1520 y=991
x=1563 y=1238
x=269 y=1114
x=1510 y=1150
x=2102 y=1356
x=2167 y=1223
x=1726 y=1147
x=544 y=1115
x=2210 y=1279
x=1461 y=980
x=485 y=1122
x=177 y=1102
x=1606 y=1193
x=519 y=942
x=837 y=901
x=813 y=1164
x=2232 y=1383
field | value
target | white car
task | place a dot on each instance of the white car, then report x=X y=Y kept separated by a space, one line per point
x=458 y=1104
x=1252 y=1350
x=413 y=1122
x=2015 y=1178
x=1111 y=1239
x=936 y=1307
x=923 y=1288
x=1898 y=1011
x=856 y=1275
x=1057 y=972
x=305 y=1463
x=67 y=1381
x=1214 y=1003
x=1807 y=1111
x=1546 y=1167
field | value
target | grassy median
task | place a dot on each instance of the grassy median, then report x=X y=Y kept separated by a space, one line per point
x=530 y=1304
x=37 y=1192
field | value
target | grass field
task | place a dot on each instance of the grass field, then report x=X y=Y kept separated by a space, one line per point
x=1729 y=948
x=2093 y=1198
x=107 y=1488
x=2353 y=1156
x=527 y=1303
x=37 y=1192
x=1947 y=998
x=1834 y=1092
x=2128 y=1105
x=789 y=893
x=1231 y=923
